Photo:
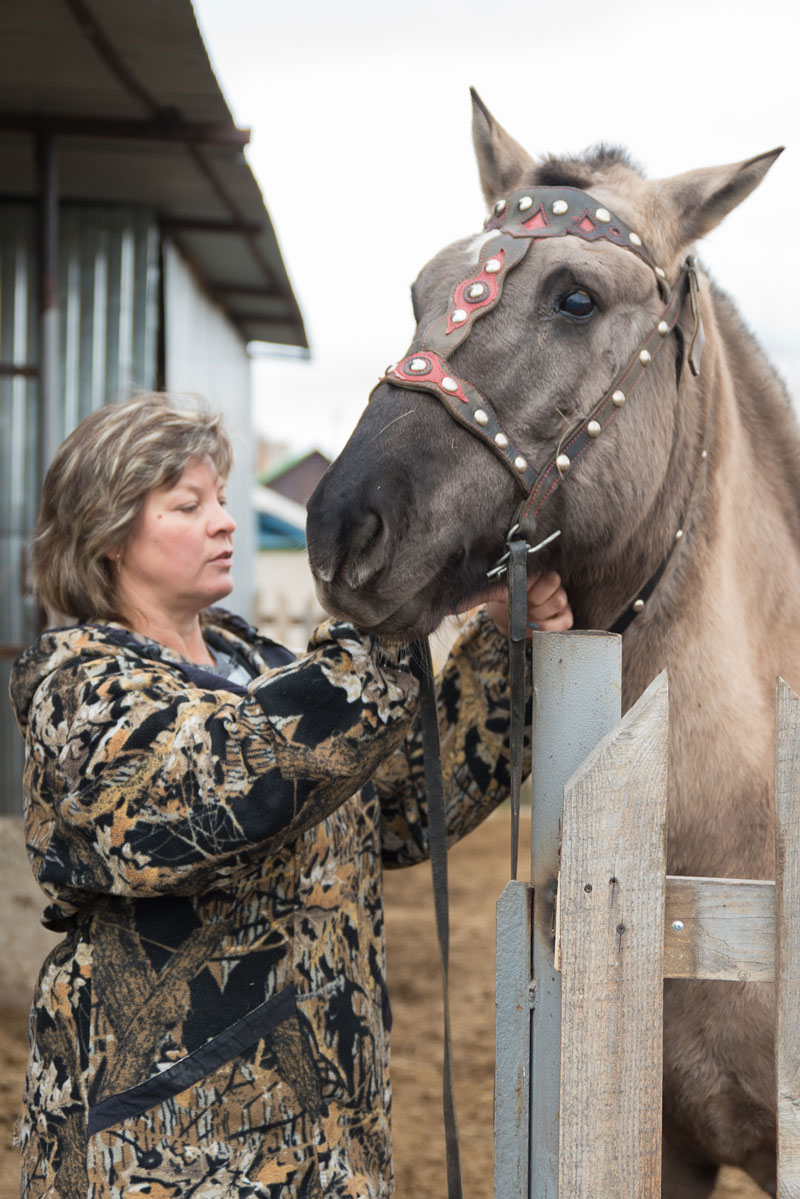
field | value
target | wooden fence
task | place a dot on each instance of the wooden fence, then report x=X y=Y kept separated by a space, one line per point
x=582 y=952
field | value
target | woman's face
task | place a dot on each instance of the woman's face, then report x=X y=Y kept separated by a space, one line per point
x=178 y=560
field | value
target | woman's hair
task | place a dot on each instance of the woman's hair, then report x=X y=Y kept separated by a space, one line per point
x=95 y=490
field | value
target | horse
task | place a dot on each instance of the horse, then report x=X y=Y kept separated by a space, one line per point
x=671 y=477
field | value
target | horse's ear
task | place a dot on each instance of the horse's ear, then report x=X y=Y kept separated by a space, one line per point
x=697 y=201
x=502 y=162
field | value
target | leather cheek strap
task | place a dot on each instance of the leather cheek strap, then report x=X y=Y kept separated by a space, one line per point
x=591 y=428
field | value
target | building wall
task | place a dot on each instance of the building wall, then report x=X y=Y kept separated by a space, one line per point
x=108 y=317
x=287 y=607
x=205 y=355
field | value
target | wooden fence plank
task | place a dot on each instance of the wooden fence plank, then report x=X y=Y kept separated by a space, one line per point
x=728 y=929
x=576 y=702
x=787 y=909
x=611 y=897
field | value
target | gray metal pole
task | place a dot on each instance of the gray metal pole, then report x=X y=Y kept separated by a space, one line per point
x=576 y=702
x=50 y=429
x=512 y=1041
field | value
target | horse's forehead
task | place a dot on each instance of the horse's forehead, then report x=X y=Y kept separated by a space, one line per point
x=628 y=196
x=621 y=190
x=456 y=261
x=458 y=256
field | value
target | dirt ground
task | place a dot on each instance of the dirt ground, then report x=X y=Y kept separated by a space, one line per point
x=478 y=871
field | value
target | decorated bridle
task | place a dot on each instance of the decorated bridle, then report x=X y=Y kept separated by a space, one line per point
x=530 y=215
x=526 y=216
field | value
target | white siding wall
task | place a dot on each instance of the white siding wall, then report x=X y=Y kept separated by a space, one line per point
x=206 y=355
x=287 y=610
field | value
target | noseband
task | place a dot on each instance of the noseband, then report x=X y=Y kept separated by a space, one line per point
x=528 y=215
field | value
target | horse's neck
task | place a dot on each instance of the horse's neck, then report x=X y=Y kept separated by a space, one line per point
x=734 y=487
x=751 y=528
x=767 y=446
x=605 y=580
x=732 y=600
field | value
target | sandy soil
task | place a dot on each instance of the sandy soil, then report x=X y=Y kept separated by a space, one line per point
x=13 y=1052
x=478 y=870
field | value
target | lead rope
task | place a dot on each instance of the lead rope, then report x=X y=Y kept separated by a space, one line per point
x=437 y=818
x=437 y=834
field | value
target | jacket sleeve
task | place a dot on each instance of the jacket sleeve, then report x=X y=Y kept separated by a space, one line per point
x=139 y=784
x=473 y=703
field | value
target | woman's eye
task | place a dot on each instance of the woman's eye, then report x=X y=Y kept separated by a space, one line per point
x=577 y=303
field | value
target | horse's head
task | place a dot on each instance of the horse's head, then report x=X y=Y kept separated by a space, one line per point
x=521 y=332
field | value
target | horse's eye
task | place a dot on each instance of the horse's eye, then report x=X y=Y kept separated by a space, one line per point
x=577 y=303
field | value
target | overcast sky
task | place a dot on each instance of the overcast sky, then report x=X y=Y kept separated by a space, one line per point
x=361 y=143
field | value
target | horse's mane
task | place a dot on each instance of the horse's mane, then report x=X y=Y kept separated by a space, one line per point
x=765 y=405
x=579 y=170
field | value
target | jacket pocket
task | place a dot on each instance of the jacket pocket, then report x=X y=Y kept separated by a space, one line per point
x=191 y=1069
x=240 y=1110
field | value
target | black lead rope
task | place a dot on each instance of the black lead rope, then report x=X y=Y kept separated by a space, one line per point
x=437 y=818
x=437 y=833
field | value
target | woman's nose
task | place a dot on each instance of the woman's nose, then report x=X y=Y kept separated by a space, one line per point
x=222 y=520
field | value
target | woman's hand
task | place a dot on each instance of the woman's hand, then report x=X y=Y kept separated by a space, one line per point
x=548 y=606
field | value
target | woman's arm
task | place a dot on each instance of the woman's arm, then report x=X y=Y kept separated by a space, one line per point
x=473 y=703
x=139 y=783
x=473 y=706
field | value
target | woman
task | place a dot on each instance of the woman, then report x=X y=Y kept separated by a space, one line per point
x=215 y=1022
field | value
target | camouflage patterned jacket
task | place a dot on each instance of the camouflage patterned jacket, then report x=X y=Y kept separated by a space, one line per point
x=215 y=1022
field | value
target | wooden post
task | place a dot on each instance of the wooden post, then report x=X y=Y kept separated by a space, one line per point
x=611 y=914
x=576 y=701
x=787 y=919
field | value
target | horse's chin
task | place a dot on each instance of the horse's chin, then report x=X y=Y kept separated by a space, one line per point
x=415 y=618
x=411 y=622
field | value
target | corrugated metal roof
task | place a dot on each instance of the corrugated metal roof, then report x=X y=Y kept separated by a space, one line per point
x=134 y=80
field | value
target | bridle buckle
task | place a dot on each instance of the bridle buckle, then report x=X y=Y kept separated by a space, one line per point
x=501 y=565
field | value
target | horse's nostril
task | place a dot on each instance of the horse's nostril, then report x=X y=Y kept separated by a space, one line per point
x=366 y=551
x=324 y=571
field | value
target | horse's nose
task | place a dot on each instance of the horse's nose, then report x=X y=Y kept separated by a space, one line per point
x=366 y=551
x=348 y=541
